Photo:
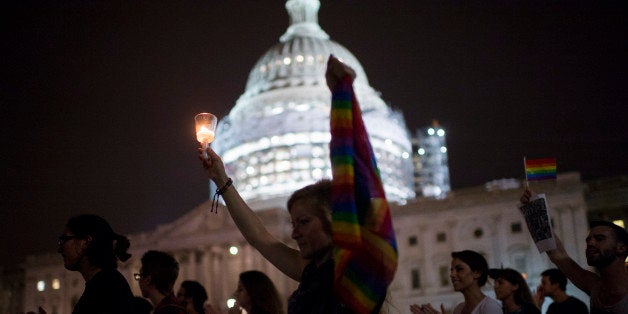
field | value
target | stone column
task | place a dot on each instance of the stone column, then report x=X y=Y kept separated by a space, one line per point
x=217 y=289
x=205 y=270
x=191 y=266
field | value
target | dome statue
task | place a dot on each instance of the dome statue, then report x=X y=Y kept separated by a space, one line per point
x=276 y=137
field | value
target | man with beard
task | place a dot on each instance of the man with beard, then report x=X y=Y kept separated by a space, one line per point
x=607 y=249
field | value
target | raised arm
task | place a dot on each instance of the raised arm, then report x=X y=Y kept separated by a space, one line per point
x=285 y=258
x=580 y=277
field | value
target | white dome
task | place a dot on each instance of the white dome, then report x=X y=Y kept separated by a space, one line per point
x=276 y=137
x=298 y=61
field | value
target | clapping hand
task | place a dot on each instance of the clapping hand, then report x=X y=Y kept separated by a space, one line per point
x=426 y=309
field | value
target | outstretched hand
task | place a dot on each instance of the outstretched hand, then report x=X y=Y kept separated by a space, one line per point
x=426 y=309
x=336 y=71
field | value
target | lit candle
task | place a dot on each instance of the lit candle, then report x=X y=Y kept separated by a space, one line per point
x=205 y=129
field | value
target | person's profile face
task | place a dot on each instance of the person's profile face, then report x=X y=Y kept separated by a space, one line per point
x=308 y=231
x=547 y=286
x=143 y=282
x=71 y=249
x=601 y=246
x=242 y=297
x=461 y=275
x=181 y=296
x=504 y=289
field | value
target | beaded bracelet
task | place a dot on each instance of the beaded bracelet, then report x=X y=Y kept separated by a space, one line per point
x=217 y=195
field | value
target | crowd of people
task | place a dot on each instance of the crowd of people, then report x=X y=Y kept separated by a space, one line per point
x=607 y=286
x=89 y=245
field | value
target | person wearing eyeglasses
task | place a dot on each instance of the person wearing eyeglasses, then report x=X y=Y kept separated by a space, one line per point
x=90 y=246
x=156 y=280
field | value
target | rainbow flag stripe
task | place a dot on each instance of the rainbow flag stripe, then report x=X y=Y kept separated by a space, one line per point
x=540 y=169
x=366 y=250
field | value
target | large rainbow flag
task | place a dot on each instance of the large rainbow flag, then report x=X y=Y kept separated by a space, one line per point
x=366 y=251
x=540 y=169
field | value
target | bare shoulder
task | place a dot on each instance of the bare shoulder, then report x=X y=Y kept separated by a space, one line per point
x=608 y=296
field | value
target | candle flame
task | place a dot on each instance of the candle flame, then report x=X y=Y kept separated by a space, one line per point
x=205 y=135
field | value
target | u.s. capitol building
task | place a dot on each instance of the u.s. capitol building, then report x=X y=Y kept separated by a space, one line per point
x=272 y=143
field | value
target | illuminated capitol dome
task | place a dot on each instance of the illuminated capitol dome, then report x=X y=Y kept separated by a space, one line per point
x=276 y=138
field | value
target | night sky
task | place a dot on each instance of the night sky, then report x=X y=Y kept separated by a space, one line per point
x=98 y=97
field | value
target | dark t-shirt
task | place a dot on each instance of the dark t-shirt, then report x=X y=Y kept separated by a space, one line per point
x=315 y=293
x=571 y=306
x=527 y=308
x=107 y=292
x=170 y=305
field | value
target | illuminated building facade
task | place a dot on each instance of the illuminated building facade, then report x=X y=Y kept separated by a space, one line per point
x=430 y=162
x=275 y=140
x=276 y=137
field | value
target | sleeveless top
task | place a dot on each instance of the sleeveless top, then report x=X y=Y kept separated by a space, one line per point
x=315 y=293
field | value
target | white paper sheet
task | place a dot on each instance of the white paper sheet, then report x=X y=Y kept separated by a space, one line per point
x=537 y=217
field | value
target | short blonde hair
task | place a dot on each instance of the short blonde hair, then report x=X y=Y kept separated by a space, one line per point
x=318 y=196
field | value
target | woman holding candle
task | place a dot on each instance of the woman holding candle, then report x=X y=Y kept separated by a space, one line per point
x=310 y=211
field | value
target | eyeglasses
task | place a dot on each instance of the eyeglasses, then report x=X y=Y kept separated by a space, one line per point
x=65 y=238
x=138 y=276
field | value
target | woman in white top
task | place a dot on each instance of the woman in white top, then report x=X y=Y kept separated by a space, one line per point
x=469 y=272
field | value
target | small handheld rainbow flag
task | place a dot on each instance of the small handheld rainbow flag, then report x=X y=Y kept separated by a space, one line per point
x=365 y=258
x=540 y=169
